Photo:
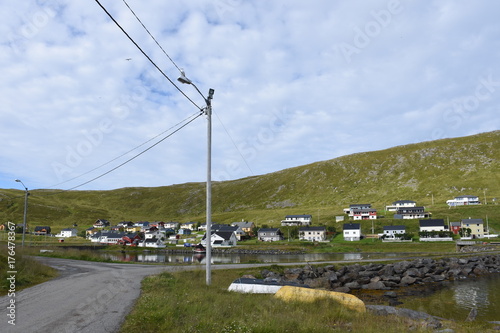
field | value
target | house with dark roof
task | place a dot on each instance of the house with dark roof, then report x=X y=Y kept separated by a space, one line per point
x=463 y=200
x=475 y=225
x=394 y=231
x=41 y=230
x=352 y=231
x=313 y=234
x=400 y=204
x=349 y=211
x=269 y=234
x=432 y=225
x=412 y=213
x=220 y=239
x=296 y=220
x=101 y=223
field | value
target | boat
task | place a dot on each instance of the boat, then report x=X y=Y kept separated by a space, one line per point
x=199 y=249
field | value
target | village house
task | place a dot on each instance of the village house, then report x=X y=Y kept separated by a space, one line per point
x=432 y=225
x=349 y=211
x=352 y=231
x=247 y=227
x=412 y=213
x=151 y=242
x=238 y=232
x=394 y=231
x=41 y=230
x=220 y=239
x=296 y=220
x=172 y=225
x=269 y=234
x=67 y=232
x=189 y=225
x=455 y=227
x=475 y=225
x=101 y=223
x=313 y=234
x=464 y=200
x=400 y=204
x=364 y=214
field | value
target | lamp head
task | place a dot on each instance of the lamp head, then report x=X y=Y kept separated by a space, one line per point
x=183 y=78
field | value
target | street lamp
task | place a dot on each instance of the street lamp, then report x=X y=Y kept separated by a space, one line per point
x=26 y=193
x=208 y=112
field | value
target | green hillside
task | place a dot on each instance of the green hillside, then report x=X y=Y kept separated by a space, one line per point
x=429 y=173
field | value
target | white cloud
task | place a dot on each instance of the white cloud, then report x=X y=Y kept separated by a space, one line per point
x=295 y=82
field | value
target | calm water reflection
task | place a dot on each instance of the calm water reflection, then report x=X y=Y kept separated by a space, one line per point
x=245 y=258
x=453 y=302
x=460 y=297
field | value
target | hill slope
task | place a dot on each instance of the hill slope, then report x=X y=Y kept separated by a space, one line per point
x=429 y=173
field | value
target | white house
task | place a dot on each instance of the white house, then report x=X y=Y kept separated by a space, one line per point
x=349 y=211
x=297 y=220
x=150 y=242
x=68 y=232
x=412 y=213
x=189 y=225
x=220 y=239
x=364 y=214
x=464 y=200
x=269 y=234
x=352 y=231
x=433 y=225
x=394 y=231
x=400 y=204
x=313 y=234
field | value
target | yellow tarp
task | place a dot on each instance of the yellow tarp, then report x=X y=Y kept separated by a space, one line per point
x=289 y=293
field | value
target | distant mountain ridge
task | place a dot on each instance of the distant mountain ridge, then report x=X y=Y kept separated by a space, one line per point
x=426 y=172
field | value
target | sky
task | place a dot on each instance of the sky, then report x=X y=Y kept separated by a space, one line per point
x=295 y=82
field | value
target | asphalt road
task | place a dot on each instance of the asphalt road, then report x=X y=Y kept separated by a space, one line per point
x=91 y=297
x=86 y=297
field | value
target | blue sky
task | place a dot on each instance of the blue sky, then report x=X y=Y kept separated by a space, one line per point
x=295 y=83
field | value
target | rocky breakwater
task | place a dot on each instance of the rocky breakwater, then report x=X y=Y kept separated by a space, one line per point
x=387 y=276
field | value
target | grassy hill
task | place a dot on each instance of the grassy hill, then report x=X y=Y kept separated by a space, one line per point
x=429 y=173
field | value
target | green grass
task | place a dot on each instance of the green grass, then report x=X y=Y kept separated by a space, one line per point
x=429 y=173
x=29 y=271
x=182 y=302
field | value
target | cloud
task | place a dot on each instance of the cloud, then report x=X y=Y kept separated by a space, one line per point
x=294 y=83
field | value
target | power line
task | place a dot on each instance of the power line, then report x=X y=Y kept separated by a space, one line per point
x=144 y=53
x=138 y=19
x=127 y=152
x=130 y=159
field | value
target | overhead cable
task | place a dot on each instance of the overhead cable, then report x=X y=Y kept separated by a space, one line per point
x=144 y=53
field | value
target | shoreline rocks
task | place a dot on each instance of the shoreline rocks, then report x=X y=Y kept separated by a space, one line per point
x=386 y=277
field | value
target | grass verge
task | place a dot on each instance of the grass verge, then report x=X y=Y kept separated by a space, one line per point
x=29 y=271
x=182 y=302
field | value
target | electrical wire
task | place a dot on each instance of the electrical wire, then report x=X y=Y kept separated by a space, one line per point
x=144 y=53
x=129 y=160
x=149 y=33
x=125 y=153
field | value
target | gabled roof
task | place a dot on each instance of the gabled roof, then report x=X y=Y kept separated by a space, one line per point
x=472 y=221
x=352 y=226
x=269 y=229
x=394 y=227
x=456 y=224
x=226 y=235
x=243 y=224
x=432 y=223
x=360 y=205
x=296 y=216
x=403 y=202
x=309 y=228
x=466 y=196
